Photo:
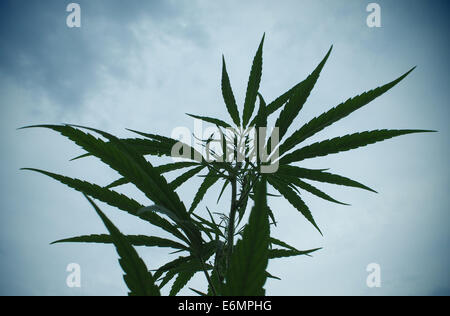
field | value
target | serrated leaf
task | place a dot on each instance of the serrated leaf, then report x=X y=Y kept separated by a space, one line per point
x=284 y=253
x=226 y=182
x=344 y=143
x=134 y=240
x=181 y=281
x=207 y=183
x=228 y=96
x=298 y=98
x=294 y=199
x=138 y=279
x=112 y=198
x=313 y=190
x=321 y=176
x=335 y=114
x=142 y=146
x=211 y=120
x=185 y=176
x=133 y=166
x=169 y=143
x=116 y=183
x=253 y=85
x=160 y=169
x=246 y=274
x=274 y=241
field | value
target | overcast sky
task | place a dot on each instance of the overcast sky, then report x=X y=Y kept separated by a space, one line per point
x=143 y=64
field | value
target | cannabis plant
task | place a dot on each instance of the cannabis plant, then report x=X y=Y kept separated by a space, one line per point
x=247 y=164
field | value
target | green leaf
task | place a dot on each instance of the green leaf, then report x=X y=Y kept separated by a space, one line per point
x=113 y=198
x=198 y=292
x=226 y=182
x=146 y=177
x=283 y=253
x=171 y=265
x=246 y=274
x=134 y=167
x=321 y=176
x=335 y=114
x=261 y=117
x=142 y=146
x=169 y=143
x=228 y=96
x=134 y=240
x=344 y=143
x=270 y=276
x=139 y=280
x=298 y=99
x=260 y=121
x=253 y=85
x=207 y=183
x=167 y=278
x=274 y=241
x=182 y=279
x=217 y=283
x=185 y=176
x=313 y=190
x=117 y=183
x=294 y=199
x=161 y=169
x=211 y=120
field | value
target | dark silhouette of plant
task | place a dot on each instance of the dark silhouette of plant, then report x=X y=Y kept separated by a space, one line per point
x=208 y=243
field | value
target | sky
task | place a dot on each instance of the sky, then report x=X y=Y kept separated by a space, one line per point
x=144 y=64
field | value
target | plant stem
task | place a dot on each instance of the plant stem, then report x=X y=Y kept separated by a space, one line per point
x=231 y=220
x=208 y=278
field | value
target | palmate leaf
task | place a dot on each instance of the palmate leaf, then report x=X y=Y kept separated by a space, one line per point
x=335 y=114
x=294 y=199
x=126 y=161
x=139 y=280
x=113 y=198
x=133 y=166
x=253 y=85
x=134 y=240
x=246 y=274
x=210 y=179
x=298 y=98
x=320 y=176
x=344 y=143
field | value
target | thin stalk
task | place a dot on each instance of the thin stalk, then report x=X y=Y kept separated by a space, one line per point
x=231 y=220
x=208 y=278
